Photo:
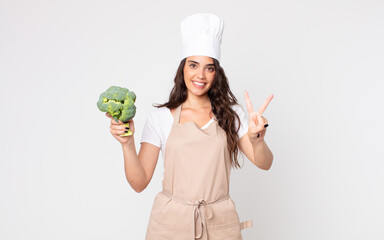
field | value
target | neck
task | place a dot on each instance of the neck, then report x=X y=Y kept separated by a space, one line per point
x=197 y=102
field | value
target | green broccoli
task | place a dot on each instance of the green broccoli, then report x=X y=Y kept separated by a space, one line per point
x=119 y=102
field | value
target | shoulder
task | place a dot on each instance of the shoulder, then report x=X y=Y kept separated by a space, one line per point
x=238 y=109
x=242 y=113
x=159 y=114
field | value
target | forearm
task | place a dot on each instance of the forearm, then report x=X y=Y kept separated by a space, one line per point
x=134 y=171
x=262 y=155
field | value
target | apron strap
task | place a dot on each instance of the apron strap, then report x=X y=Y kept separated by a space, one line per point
x=246 y=224
x=176 y=115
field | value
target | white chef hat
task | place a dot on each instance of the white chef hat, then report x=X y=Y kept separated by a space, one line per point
x=201 y=35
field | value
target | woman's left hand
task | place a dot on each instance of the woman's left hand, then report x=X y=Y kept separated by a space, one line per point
x=257 y=123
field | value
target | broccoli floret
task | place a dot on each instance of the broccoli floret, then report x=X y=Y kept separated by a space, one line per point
x=120 y=103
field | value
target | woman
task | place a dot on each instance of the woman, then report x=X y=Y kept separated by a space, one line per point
x=199 y=134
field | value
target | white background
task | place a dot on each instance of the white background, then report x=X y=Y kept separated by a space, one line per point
x=62 y=173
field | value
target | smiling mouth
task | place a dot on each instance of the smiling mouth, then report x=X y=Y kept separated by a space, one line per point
x=198 y=85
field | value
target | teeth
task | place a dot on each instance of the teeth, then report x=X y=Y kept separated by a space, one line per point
x=200 y=84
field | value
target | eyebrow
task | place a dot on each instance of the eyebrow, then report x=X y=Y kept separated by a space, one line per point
x=211 y=64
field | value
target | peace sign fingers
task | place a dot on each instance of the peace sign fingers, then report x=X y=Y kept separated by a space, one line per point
x=262 y=108
x=257 y=123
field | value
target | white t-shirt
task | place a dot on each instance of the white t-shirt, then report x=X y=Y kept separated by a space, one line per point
x=159 y=124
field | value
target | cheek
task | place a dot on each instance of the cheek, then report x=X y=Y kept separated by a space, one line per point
x=188 y=74
x=187 y=78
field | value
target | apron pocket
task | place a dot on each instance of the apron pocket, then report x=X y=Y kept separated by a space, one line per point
x=157 y=231
x=225 y=231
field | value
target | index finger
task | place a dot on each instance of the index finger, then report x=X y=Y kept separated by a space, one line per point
x=108 y=115
x=265 y=104
x=248 y=102
x=113 y=121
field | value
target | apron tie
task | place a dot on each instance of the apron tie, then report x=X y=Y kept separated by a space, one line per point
x=200 y=217
x=200 y=208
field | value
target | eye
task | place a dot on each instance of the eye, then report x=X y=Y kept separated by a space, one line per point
x=192 y=65
x=211 y=69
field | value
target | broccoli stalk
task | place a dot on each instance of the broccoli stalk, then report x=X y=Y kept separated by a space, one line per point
x=119 y=102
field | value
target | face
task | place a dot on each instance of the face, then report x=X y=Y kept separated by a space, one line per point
x=199 y=72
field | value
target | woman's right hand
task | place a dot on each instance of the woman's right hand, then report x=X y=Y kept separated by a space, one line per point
x=118 y=128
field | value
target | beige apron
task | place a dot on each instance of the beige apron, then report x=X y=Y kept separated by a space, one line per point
x=195 y=201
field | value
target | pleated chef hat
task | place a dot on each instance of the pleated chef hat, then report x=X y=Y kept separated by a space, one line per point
x=201 y=35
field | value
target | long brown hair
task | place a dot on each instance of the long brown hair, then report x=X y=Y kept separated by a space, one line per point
x=221 y=99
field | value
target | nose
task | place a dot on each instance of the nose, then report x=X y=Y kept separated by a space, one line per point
x=201 y=73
